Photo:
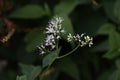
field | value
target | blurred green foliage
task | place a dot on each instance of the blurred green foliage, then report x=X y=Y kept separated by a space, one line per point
x=98 y=18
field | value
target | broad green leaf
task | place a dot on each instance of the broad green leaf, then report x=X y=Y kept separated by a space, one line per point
x=26 y=69
x=35 y=72
x=47 y=9
x=30 y=71
x=48 y=59
x=67 y=66
x=118 y=63
x=67 y=25
x=108 y=5
x=34 y=39
x=65 y=7
x=115 y=75
x=21 y=77
x=114 y=39
x=28 y=12
x=117 y=9
x=105 y=29
x=112 y=54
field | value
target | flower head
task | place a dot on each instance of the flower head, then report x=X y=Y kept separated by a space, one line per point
x=41 y=49
x=53 y=33
x=55 y=27
x=82 y=39
x=70 y=37
x=50 y=41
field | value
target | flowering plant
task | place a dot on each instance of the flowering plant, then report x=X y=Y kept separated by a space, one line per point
x=36 y=52
x=53 y=34
x=51 y=48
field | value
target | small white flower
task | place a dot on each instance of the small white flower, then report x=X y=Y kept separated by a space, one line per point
x=82 y=39
x=82 y=35
x=83 y=43
x=70 y=37
x=90 y=42
x=62 y=31
x=50 y=30
x=55 y=27
x=42 y=52
x=50 y=40
x=41 y=49
x=53 y=34
x=58 y=37
x=42 y=46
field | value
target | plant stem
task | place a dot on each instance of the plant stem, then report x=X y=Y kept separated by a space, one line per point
x=42 y=75
x=69 y=52
x=57 y=47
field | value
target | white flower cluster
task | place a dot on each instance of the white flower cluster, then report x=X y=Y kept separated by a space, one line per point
x=53 y=32
x=82 y=39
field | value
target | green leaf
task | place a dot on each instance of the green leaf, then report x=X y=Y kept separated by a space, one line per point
x=67 y=66
x=48 y=59
x=67 y=25
x=47 y=9
x=26 y=69
x=112 y=54
x=28 y=12
x=118 y=63
x=115 y=75
x=65 y=7
x=30 y=71
x=117 y=9
x=33 y=39
x=21 y=77
x=114 y=39
x=105 y=29
x=108 y=5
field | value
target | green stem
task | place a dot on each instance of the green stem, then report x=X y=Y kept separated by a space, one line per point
x=57 y=47
x=42 y=77
x=69 y=52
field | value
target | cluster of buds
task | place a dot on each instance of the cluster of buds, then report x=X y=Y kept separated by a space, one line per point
x=53 y=32
x=82 y=39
